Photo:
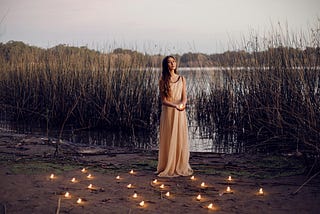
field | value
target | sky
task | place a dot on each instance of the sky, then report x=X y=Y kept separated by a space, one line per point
x=151 y=26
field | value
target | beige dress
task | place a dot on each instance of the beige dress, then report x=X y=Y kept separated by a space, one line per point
x=173 y=155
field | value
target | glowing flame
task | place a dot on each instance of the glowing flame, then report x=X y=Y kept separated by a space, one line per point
x=129 y=186
x=67 y=195
x=192 y=177
x=141 y=203
x=203 y=184
x=90 y=186
x=135 y=195
x=210 y=206
x=79 y=201
x=199 y=197
x=52 y=176
x=73 y=180
x=155 y=181
x=162 y=186
x=168 y=194
x=83 y=170
x=260 y=191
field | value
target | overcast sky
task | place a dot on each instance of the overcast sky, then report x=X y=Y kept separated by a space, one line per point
x=167 y=26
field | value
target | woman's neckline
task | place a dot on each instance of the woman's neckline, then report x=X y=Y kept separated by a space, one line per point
x=176 y=80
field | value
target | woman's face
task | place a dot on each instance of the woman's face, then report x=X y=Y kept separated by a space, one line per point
x=172 y=65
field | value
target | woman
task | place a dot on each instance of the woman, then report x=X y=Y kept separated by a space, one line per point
x=173 y=157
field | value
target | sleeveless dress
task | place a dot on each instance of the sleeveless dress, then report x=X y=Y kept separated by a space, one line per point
x=173 y=156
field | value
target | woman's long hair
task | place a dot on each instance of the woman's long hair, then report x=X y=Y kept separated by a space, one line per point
x=164 y=84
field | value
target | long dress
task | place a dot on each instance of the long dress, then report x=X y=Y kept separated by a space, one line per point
x=173 y=156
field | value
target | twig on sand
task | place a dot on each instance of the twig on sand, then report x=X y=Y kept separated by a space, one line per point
x=307 y=181
x=58 y=208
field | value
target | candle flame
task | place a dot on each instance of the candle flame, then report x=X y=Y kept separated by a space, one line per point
x=210 y=206
x=229 y=178
x=118 y=177
x=199 y=197
x=52 y=176
x=67 y=195
x=168 y=194
x=83 y=170
x=129 y=186
x=90 y=186
x=203 y=184
x=155 y=181
x=192 y=177
x=261 y=191
x=135 y=195
x=228 y=189
x=89 y=176
x=162 y=186
x=79 y=201
x=73 y=180
x=131 y=172
x=141 y=203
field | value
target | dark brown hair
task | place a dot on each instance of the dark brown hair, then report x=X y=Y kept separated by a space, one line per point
x=164 y=84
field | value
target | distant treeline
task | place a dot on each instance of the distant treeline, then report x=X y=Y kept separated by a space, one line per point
x=287 y=56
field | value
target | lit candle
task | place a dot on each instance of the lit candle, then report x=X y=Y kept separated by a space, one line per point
x=199 y=197
x=155 y=181
x=141 y=203
x=135 y=195
x=260 y=191
x=131 y=172
x=79 y=201
x=192 y=177
x=162 y=186
x=118 y=177
x=228 y=189
x=203 y=184
x=52 y=176
x=168 y=194
x=229 y=178
x=67 y=195
x=89 y=176
x=73 y=180
x=90 y=186
x=129 y=186
x=210 y=206
x=181 y=106
x=83 y=170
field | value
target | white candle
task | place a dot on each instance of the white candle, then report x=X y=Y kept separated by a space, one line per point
x=229 y=178
x=118 y=177
x=228 y=189
x=89 y=176
x=199 y=197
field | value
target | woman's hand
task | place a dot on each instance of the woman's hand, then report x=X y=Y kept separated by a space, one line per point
x=181 y=107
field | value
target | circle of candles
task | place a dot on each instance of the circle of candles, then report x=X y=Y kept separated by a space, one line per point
x=210 y=206
x=90 y=186
x=192 y=177
x=168 y=194
x=203 y=184
x=129 y=186
x=73 y=180
x=52 y=176
x=131 y=172
x=135 y=195
x=83 y=170
x=260 y=191
x=79 y=201
x=141 y=203
x=162 y=186
x=89 y=176
x=155 y=181
x=229 y=178
x=199 y=197
x=67 y=195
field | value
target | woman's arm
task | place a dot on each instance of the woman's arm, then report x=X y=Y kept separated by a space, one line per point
x=184 y=91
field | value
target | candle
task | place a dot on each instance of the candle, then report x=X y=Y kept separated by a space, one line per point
x=229 y=178
x=141 y=203
x=67 y=195
x=199 y=197
x=131 y=172
x=210 y=206
x=89 y=176
x=181 y=106
x=162 y=186
x=90 y=186
x=135 y=195
x=155 y=181
x=79 y=201
x=192 y=177
x=118 y=177
x=52 y=176
x=203 y=184
x=83 y=170
x=129 y=186
x=73 y=180
x=228 y=189
x=260 y=191
x=168 y=194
